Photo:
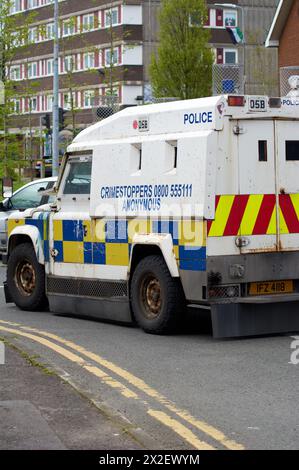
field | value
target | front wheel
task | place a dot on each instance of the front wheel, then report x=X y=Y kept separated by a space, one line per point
x=156 y=298
x=26 y=278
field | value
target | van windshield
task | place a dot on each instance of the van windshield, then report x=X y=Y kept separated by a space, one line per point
x=78 y=180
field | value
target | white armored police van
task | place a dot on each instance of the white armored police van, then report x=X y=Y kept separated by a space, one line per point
x=164 y=206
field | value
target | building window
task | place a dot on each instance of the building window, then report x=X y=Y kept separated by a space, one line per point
x=69 y=63
x=49 y=31
x=69 y=103
x=111 y=17
x=32 y=35
x=88 y=22
x=230 y=19
x=219 y=18
x=50 y=67
x=100 y=25
x=88 y=60
x=111 y=57
x=33 y=104
x=32 y=4
x=89 y=98
x=16 y=40
x=15 y=72
x=17 y=106
x=32 y=70
x=49 y=103
x=68 y=27
x=16 y=6
x=230 y=56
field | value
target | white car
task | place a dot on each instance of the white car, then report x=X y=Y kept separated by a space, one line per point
x=29 y=196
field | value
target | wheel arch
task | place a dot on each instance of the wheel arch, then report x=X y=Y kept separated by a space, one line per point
x=27 y=234
x=153 y=244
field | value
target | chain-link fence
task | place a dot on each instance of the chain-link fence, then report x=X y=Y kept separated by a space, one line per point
x=228 y=79
x=285 y=74
x=105 y=106
x=163 y=100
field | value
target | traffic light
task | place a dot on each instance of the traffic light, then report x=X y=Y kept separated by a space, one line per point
x=46 y=121
x=62 y=113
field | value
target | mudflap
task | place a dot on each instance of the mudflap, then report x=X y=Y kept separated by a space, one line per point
x=239 y=320
x=8 y=298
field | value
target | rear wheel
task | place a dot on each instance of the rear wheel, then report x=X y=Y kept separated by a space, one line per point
x=156 y=298
x=26 y=278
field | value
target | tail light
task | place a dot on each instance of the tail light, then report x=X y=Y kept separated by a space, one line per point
x=236 y=100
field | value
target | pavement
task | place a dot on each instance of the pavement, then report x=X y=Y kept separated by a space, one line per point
x=184 y=391
x=39 y=411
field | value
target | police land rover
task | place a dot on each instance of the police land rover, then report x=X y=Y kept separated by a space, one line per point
x=163 y=206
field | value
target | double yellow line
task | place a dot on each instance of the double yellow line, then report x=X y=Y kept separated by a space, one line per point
x=175 y=424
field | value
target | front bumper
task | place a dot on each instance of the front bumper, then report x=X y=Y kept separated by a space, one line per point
x=3 y=242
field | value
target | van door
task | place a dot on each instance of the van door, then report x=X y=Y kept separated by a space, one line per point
x=70 y=227
x=287 y=155
x=257 y=185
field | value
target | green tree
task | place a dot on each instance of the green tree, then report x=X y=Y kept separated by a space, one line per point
x=182 y=67
x=13 y=40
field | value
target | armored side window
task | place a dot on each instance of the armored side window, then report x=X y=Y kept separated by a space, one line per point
x=292 y=150
x=78 y=180
x=175 y=157
x=263 y=151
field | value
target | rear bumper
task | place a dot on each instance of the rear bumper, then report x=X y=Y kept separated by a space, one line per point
x=254 y=267
x=240 y=320
x=246 y=315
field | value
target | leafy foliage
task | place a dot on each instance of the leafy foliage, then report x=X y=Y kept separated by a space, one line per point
x=183 y=65
x=14 y=41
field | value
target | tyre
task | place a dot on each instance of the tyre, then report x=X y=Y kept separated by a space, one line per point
x=157 y=299
x=26 y=279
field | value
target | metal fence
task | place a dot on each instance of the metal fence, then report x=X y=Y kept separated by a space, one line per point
x=105 y=106
x=228 y=78
x=285 y=74
x=163 y=100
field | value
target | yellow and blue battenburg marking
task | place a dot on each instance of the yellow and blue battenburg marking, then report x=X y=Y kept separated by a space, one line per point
x=109 y=242
x=41 y=222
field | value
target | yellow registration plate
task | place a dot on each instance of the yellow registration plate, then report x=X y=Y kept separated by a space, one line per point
x=271 y=287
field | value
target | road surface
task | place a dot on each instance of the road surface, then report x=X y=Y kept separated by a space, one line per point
x=186 y=391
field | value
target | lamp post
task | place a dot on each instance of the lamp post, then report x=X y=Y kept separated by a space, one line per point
x=233 y=6
x=55 y=137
